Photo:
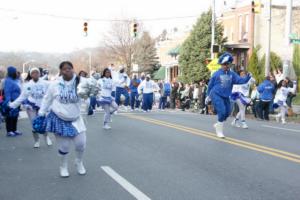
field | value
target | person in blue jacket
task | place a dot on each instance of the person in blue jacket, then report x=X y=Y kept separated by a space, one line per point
x=220 y=88
x=134 y=95
x=12 y=91
x=266 y=91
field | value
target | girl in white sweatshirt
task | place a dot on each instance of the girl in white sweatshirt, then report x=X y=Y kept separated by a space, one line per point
x=32 y=95
x=64 y=119
x=108 y=103
x=241 y=93
x=280 y=99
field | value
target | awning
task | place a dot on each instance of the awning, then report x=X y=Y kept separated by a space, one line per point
x=237 y=46
x=160 y=74
x=174 y=51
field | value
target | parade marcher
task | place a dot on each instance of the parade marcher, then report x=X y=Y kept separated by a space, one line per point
x=134 y=95
x=105 y=99
x=281 y=97
x=12 y=91
x=165 y=92
x=219 y=90
x=240 y=94
x=266 y=90
x=147 y=88
x=32 y=95
x=122 y=87
x=64 y=119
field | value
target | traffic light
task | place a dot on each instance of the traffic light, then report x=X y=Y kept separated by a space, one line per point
x=134 y=29
x=256 y=6
x=85 y=28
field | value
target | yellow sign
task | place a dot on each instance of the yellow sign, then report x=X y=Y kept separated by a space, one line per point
x=213 y=66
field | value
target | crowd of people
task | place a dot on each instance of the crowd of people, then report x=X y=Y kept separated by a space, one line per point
x=56 y=106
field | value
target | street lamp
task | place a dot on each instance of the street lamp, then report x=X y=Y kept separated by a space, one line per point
x=25 y=63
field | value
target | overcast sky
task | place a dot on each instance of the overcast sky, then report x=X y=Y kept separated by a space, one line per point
x=20 y=31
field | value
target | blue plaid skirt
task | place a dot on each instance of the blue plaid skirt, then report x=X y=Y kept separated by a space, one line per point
x=30 y=104
x=60 y=127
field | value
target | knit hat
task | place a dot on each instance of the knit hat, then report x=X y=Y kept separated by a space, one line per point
x=33 y=70
x=11 y=70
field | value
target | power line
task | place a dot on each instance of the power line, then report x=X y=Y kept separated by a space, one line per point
x=95 y=19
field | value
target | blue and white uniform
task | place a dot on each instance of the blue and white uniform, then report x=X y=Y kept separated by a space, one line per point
x=240 y=94
x=280 y=100
x=32 y=95
x=65 y=121
x=106 y=100
x=123 y=81
x=220 y=88
x=147 y=88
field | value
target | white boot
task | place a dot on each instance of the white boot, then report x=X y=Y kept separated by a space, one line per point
x=219 y=129
x=79 y=164
x=36 y=144
x=244 y=125
x=283 y=121
x=48 y=140
x=278 y=118
x=63 y=169
x=235 y=123
x=36 y=140
x=106 y=126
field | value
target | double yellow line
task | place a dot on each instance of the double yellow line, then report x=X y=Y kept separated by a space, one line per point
x=248 y=145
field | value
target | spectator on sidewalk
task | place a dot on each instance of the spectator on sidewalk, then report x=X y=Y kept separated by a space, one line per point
x=266 y=90
x=12 y=91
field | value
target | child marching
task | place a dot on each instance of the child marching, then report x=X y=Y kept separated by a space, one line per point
x=240 y=94
x=64 y=119
x=32 y=96
x=105 y=99
x=219 y=90
x=280 y=99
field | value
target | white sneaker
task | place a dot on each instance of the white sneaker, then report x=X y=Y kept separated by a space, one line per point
x=80 y=167
x=63 y=169
x=48 y=141
x=283 y=121
x=106 y=127
x=36 y=144
x=235 y=123
x=219 y=129
x=244 y=125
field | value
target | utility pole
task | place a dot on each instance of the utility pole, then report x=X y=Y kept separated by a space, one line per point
x=288 y=30
x=268 y=49
x=213 y=22
x=90 y=62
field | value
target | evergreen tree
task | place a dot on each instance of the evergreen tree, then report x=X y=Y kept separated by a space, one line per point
x=254 y=66
x=196 y=48
x=276 y=62
x=145 y=54
x=296 y=62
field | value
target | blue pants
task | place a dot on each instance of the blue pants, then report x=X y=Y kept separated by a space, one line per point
x=222 y=106
x=122 y=91
x=147 y=101
x=92 y=105
x=162 y=102
x=113 y=94
x=134 y=102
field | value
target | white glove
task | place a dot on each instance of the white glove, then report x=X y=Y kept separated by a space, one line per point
x=207 y=100
x=295 y=82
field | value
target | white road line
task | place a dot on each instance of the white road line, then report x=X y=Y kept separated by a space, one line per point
x=286 y=129
x=125 y=184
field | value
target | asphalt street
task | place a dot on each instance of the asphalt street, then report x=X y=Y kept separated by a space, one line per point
x=159 y=155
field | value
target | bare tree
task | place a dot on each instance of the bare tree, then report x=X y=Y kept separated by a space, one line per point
x=120 y=43
x=145 y=55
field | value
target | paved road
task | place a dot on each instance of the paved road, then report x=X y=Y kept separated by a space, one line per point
x=166 y=156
